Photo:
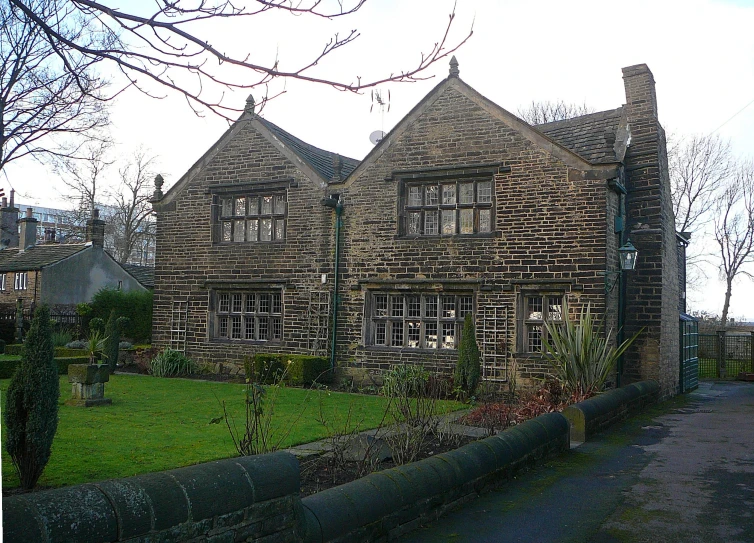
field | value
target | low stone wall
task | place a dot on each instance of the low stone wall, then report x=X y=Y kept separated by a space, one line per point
x=388 y=503
x=591 y=416
x=253 y=498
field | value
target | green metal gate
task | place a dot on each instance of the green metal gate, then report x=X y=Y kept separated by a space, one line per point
x=689 y=343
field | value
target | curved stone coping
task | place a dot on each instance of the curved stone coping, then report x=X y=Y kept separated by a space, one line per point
x=379 y=504
x=178 y=501
x=591 y=416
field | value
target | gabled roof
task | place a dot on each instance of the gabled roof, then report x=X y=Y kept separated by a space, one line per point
x=590 y=136
x=143 y=274
x=320 y=160
x=38 y=256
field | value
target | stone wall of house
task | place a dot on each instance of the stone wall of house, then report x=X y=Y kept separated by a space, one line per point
x=190 y=264
x=653 y=291
x=549 y=231
x=33 y=289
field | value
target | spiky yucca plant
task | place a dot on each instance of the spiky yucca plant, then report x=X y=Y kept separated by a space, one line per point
x=582 y=357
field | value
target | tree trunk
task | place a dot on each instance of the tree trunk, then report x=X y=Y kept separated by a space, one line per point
x=726 y=305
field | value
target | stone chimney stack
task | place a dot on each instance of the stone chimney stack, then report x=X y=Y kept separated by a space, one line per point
x=49 y=235
x=641 y=97
x=95 y=230
x=8 y=223
x=28 y=230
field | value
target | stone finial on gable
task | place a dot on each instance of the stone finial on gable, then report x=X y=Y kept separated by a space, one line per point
x=453 y=67
x=249 y=105
x=158 y=181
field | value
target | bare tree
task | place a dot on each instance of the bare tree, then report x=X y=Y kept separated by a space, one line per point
x=168 y=42
x=547 y=112
x=734 y=228
x=699 y=167
x=84 y=178
x=49 y=98
x=132 y=212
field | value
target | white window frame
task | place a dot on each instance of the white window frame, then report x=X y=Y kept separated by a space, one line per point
x=21 y=281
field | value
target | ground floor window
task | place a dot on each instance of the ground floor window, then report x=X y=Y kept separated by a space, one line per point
x=417 y=320
x=539 y=308
x=249 y=316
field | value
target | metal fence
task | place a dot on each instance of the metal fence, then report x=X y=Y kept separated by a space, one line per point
x=725 y=354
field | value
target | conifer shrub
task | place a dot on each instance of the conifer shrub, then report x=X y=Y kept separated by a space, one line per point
x=134 y=305
x=112 y=338
x=468 y=367
x=31 y=406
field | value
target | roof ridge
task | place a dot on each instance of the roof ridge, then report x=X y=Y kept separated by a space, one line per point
x=597 y=115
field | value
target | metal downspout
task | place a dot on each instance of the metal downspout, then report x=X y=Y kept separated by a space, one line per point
x=338 y=225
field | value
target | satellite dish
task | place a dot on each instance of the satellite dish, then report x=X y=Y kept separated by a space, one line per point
x=376 y=137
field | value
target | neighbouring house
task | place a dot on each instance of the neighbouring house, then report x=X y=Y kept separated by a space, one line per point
x=461 y=208
x=58 y=274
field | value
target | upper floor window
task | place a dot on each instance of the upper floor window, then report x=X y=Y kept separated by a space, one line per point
x=250 y=218
x=417 y=321
x=447 y=208
x=2 y=281
x=21 y=280
x=538 y=309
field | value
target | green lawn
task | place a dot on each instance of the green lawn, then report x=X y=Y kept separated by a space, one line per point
x=157 y=424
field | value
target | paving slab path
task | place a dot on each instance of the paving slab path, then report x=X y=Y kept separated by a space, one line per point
x=682 y=472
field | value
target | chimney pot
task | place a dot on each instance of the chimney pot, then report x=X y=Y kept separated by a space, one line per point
x=95 y=229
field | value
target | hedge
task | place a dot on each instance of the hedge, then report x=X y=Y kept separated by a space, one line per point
x=7 y=367
x=62 y=352
x=301 y=369
x=135 y=305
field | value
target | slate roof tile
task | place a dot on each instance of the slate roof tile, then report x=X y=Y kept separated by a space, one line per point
x=37 y=257
x=586 y=135
x=319 y=159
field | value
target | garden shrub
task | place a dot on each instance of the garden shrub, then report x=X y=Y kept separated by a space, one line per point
x=8 y=331
x=8 y=367
x=97 y=325
x=583 y=359
x=170 y=363
x=68 y=352
x=123 y=345
x=295 y=369
x=468 y=367
x=2 y=346
x=136 y=306
x=60 y=338
x=112 y=333
x=31 y=408
x=76 y=344
x=15 y=349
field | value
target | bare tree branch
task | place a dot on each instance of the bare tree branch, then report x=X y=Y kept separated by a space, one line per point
x=166 y=44
x=699 y=166
x=133 y=227
x=734 y=228
x=547 y=112
x=46 y=107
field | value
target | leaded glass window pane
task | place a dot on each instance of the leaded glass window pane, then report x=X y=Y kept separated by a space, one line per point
x=227 y=207
x=484 y=192
x=252 y=230
x=265 y=231
x=266 y=205
x=432 y=198
x=449 y=221
x=240 y=207
x=414 y=334
x=467 y=221
x=466 y=193
x=449 y=194
x=485 y=220
x=448 y=335
x=279 y=204
x=279 y=229
x=430 y=335
x=227 y=231
x=224 y=303
x=414 y=222
x=430 y=222
x=396 y=306
x=415 y=196
x=379 y=333
x=396 y=329
x=237 y=301
x=239 y=230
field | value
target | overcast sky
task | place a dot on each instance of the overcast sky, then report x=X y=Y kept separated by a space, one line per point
x=700 y=51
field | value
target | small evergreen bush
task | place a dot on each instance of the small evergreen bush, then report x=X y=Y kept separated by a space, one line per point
x=31 y=407
x=97 y=325
x=60 y=338
x=468 y=367
x=125 y=345
x=170 y=363
x=294 y=369
x=76 y=344
x=112 y=333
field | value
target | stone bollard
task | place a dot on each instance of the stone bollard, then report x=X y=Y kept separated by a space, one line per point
x=88 y=385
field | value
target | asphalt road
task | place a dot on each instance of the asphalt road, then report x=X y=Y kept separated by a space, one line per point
x=682 y=472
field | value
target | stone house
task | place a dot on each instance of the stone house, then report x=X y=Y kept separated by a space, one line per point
x=57 y=274
x=461 y=208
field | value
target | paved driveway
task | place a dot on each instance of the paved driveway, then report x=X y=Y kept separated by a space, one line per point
x=683 y=472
